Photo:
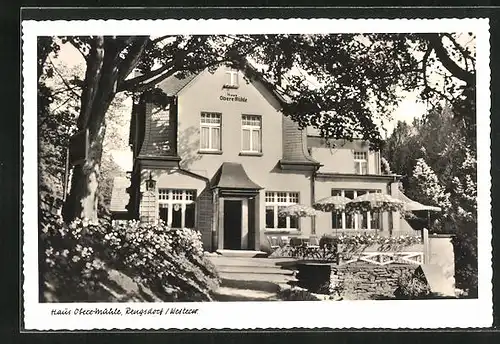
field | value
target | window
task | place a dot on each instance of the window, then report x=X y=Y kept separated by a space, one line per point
x=177 y=207
x=210 y=131
x=232 y=79
x=360 y=162
x=276 y=201
x=251 y=134
x=362 y=221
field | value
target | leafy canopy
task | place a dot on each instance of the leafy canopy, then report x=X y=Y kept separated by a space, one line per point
x=345 y=85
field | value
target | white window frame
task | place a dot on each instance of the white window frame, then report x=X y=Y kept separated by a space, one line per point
x=211 y=127
x=271 y=200
x=233 y=79
x=251 y=128
x=357 y=217
x=358 y=162
x=166 y=200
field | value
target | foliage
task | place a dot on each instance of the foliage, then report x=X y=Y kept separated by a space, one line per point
x=412 y=287
x=465 y=249
x=331 y=246
x=57 y=108
x=297 y=294
x=428 y=186
x=169 y=261
x=341 y=99
x=355 y=242
x=441 y=152
x=437 y=160
x=69 y=259
x=385 y=166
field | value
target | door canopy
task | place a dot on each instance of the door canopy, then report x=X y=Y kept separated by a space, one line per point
x=231 y=179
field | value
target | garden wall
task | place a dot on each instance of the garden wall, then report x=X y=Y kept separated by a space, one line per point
x=367 y=281
x=356 y=281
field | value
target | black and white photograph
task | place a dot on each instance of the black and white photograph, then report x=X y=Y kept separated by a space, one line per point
x=183 y=173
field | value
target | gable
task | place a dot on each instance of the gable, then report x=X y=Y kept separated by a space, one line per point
x=215 y=90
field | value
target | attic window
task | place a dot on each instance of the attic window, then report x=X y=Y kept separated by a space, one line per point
x=231 y=79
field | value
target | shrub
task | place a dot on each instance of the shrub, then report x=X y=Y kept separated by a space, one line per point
x=168 y=261
x=411 y=287
x=68 y=259
x=295 y=294
x=465 y=250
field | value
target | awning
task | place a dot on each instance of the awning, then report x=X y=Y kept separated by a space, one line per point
x=232 y=177
x=411 y=205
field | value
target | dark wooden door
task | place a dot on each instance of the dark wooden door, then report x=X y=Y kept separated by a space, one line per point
x=232 y=224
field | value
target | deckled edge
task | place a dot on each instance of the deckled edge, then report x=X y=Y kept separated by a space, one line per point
x=25 y=76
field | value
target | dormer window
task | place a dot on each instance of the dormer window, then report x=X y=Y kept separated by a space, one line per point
x=361 y=162
x=231 y=79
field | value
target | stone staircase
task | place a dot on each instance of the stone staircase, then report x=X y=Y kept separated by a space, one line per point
x=245 y=278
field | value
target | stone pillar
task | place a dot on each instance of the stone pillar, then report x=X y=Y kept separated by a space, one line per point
x=441 y=253
x=220 y=229
x=215 y=221
x=425 y=240
x=244 y=224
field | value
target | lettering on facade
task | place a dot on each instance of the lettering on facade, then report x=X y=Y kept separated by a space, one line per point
x=233 y=98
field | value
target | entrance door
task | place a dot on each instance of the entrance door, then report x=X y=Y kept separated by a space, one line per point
x=232 y=224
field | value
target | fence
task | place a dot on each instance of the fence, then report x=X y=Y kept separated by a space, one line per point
x=378 y=254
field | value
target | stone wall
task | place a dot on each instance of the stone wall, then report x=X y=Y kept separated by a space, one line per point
x=366 y=281
x=357 y=281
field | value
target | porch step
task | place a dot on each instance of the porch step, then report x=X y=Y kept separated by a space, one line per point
x=242 y=253
x=249 y=269
x=240 y=261
x=261 y=282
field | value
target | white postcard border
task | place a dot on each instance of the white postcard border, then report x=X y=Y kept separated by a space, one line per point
x=251 y=315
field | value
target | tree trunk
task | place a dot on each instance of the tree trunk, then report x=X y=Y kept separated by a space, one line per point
x=98 y=92
x=105 y=71
x=83 y=199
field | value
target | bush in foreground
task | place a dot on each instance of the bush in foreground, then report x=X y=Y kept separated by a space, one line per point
x=76 y=259
x=296 y=294
x=465 y=249
x=412 y=287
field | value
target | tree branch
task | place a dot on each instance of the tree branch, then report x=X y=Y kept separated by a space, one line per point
x=159 y=39
x=131 y=84
x=92 y=78
x=132 y=58
x=68 y=86
x=437 y=44
x=465 y=54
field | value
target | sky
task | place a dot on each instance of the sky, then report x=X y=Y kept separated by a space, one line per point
x=408 y=109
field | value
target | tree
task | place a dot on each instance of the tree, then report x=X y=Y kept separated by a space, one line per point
x=428 y=188
x=57 y=112
x=353 y=75
x=444 y=174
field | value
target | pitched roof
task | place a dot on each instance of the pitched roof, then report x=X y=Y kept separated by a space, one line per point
x=174 y=84
x=232 y=175
x=119 y=195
